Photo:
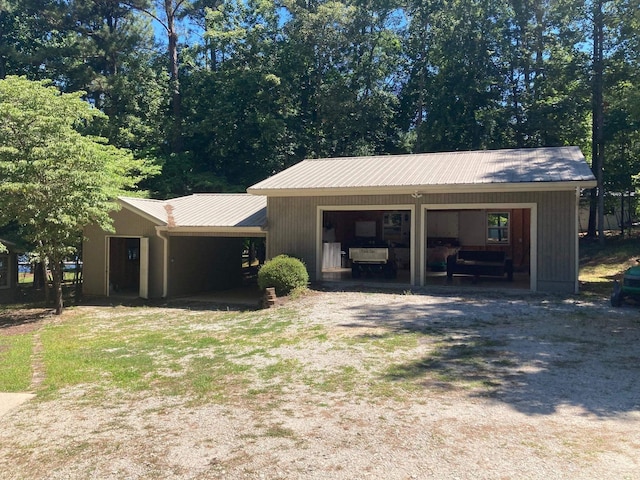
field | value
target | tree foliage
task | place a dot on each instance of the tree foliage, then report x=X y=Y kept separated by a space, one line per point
x=57 y=179
x=226 y=92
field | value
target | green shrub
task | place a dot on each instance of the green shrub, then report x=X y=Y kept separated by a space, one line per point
x=284 y=273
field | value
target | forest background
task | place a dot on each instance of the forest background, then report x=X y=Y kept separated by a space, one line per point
x=223 y=93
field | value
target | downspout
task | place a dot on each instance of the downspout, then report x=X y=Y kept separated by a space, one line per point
x=163 y=235
x=577 y=240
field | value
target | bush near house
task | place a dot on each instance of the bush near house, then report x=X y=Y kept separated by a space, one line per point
x=283 y=273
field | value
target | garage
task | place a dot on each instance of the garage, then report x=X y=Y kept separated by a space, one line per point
x=499 y=218
x=507 y=218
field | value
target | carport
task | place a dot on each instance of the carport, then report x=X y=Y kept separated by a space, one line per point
x=177 y=247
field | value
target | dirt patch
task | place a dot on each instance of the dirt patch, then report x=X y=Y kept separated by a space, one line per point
x=389 y=386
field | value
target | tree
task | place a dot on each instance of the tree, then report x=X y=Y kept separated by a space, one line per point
x=235 y=110
x=32 y=37
x=339 y=63
x=114 y=59
x=56 y=179
x=547 y=80
x=168 y=13
x=453 y=96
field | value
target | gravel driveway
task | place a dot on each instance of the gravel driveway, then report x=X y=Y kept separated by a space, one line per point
x=522 y=387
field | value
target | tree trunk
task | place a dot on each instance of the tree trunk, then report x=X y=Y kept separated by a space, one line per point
x=57 y=273
x=593 y=206
x=171 y=9
x=622 y=215
x=45 y=284
x=174 y=82
x=597 y=141
x=77 y=281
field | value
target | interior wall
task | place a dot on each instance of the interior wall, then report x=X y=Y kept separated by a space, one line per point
x=392 y=227
x=443 y=224
x=343 y=224
x=473 y=228
x=468 y=229
x=124 y=264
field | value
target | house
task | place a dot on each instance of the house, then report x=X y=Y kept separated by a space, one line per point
x=8 y=272
x=522 y=202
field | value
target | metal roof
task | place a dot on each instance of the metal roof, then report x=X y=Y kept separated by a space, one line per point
x=517 y=169
x=209 y=210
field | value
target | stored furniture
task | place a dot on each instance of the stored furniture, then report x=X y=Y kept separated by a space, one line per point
x=480 y=263
x=371 y=260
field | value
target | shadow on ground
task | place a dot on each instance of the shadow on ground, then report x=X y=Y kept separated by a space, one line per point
x=532 y=352
x=22 y=320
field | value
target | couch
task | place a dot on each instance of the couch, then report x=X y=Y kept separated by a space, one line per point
x=480 y=263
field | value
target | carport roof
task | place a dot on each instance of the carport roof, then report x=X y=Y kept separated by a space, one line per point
x=216 y=212
x=548 y=168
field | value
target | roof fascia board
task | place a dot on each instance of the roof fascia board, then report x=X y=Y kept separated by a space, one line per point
x=142 y=213
x=422 y=189
x=215 y=230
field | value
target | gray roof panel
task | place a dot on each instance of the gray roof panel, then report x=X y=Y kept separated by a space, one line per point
x=219 y=210
x=424 y=170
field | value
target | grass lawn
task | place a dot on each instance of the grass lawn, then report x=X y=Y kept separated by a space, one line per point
x=135 y=349
x=15 y=362
x=600 y=265
x=210 y=354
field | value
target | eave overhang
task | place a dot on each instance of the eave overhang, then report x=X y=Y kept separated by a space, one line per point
x=142 y=213
x=249 y=231
x=425 y=189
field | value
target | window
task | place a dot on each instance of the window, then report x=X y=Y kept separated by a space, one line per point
x=4 y=270
x=498 y=227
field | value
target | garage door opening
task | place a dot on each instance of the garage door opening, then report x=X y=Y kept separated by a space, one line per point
x=489 y=246
x=366 y=245
x=207 y=263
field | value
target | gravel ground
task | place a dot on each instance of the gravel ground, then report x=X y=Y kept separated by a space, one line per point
x=557 y=396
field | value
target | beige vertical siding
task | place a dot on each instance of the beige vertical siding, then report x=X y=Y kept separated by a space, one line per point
x=93 y=258
x=292 y=229
x=293 y=221
x=557 y=242
x=126 y=224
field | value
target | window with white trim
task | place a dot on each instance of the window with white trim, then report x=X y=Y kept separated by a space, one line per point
x=498 y=227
